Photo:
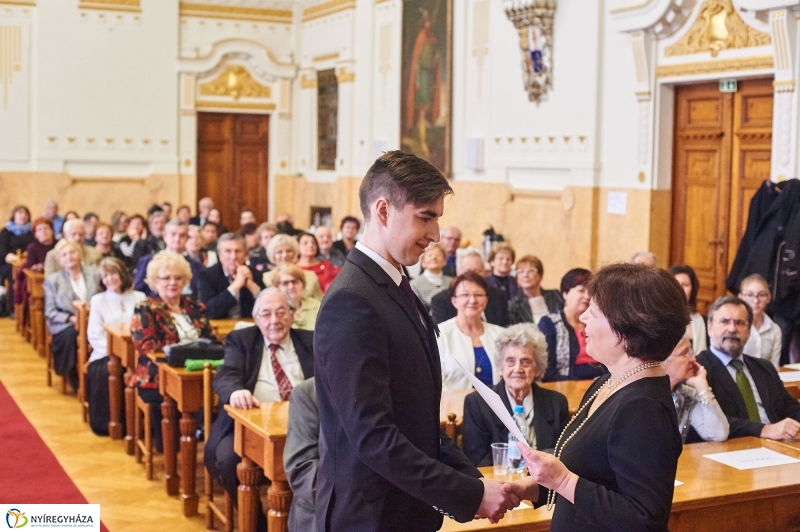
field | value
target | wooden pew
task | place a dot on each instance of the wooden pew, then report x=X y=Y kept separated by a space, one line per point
x=223 y=512
x=36 y=309
x=82 y=313
x=120 y=355
x=223 y=327
x=20 y=311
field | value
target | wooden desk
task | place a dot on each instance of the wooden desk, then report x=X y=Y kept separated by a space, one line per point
x=259 y=438
x=36 y=309
x=222 y=328
x=120 y=355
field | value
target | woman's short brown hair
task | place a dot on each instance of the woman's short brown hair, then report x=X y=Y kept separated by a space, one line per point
x=534 y=261
x=645 y=307
x=470 y=277
x=499 y=248
x=287 y=269
x=41 y=220
x=114 y=265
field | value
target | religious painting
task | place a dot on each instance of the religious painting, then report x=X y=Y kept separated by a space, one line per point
x=327 y=119
x=427 y=81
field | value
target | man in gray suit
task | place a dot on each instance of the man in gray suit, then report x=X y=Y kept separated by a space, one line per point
x=301 y=455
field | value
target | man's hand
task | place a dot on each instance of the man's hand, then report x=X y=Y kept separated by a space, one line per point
x=497 y=498
x=524 y=489
x=782 y=430
x=243 y=399
x=240 y=278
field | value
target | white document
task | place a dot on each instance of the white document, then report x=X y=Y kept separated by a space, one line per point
x=792 y=366
x=524 y=506
x=752 y=458
x=789 y=376
x=678 y=483
x=617 y=203
x=495 y=403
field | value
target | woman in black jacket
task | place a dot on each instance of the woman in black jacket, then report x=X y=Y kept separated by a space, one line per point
x=14 y=237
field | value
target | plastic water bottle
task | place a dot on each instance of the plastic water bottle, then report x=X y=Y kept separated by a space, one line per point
x=516 y=464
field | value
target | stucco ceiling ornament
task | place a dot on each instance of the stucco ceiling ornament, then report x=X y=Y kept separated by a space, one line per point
x=533 y=20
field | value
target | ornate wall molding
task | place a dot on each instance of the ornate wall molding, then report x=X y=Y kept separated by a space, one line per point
x=132 y=6
x=233 y=12
x=327 y=8
x=10 y=57
x=701 y=135
x=235 y=82
x=718 y=27
x=712 y=67
x=235 y=106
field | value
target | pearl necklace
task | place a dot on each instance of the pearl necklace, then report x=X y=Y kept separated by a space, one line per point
x=609 y=388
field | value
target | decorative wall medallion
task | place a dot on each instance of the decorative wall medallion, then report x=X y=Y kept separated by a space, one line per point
x=235 y=81
x=534 y=22
x=718 y=27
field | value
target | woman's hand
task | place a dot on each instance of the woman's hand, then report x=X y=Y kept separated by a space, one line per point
x=548 y=471
x=700 y=381
x=524 y=489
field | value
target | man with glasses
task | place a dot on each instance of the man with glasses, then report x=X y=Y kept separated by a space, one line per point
x=451 y=240
x=262 y=364
x=229 y=288
x=175 y=234
x=748 y=389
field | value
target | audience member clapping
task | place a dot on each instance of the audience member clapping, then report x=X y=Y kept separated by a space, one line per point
x=229 y=288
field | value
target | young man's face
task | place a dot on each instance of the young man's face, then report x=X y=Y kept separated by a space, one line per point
x=411 y=230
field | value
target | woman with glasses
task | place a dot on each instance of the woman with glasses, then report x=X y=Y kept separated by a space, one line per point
x=766 y=337
x=166 y=319
x=284 y=249
x=521 y=355
x=291 y=281
x=534 y=303
x=696 y=331
x=700 y=417
x=467 y=339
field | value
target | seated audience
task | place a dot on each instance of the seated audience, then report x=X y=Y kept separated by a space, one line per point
x=229 y=288
x=75 y=282
x=501 y=259
x=249 y=233
x=215 y=216
x=291 y=280
x=467 y=338
x=166 y=319
x=166 y=208
x=308 y=250
x=119 y=225
x=90 y=221
x=700 y=417
x=175 y=236
x=349 y=227
x=74 y=232
x=194 y=248
x=696 y=331
x=301 y=455
x=154 y=241
x=521 y=356
x=210 y=233
x=247 y=216
x=262 y=364
x=283 y=249
x=326 y=249
x=71 y=215
x=748 y=389
x=534 y=302
x=15 y=237
x=35 y=256
x=184 y=214
x=766 y=337
x=133 y=234
x=204 y=207
x=257 y=258
x=644 y=257
x=114 y=305
x=450 y=238
x=470 y=260
x=432 y=280
x=51 y=213
x=103 y=235
x=567 y=358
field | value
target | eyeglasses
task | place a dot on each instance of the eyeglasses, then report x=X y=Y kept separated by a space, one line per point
x=476 y=297
x=166 y=278
x=527 y=271
x=762 y=296
x=511 y=362
x=738 y=323
x=292 y=282
x=280 y=313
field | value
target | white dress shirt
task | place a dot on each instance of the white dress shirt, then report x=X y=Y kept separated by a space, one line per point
x=726 y=360
x=266 y=389
x=109 y=307
x=765 y=342
x=390 y=270
x=78 y=286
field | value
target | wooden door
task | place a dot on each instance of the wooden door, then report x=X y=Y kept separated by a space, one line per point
x=232 y=163
x=722 y=155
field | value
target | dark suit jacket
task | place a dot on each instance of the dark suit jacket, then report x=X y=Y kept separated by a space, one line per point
x=774 y=397
x=482 y=427
x=243 y=352
x=216 y=297
x=147 y=246
x=496 y=307
x=387 y=464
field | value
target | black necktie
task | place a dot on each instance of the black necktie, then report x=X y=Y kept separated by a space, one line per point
x=405 y=287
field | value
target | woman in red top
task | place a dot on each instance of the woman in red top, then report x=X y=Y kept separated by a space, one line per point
x=309 y=249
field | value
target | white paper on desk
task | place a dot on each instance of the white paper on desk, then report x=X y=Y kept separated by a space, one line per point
x=792 y=366
x=524 y=506
x=789 y=376
x=495 y=403
x=752 y=458
x=678 y=483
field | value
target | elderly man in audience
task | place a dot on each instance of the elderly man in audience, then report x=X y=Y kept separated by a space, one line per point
x=90 y=221
x=534 y=302
x=301 y=455
x=470 y=260
x=350 y=226
x=566 y=335
x=766 y=337
x=467 y=338
x=229 y=288
x=696 y=330
x=326 y=249
x=501 y=259
x=75 y=232
x=432 y=280
x=262 y=364
x=195 y=251
x=748 y=388
x=257 y=258
x=291 y=280
x=450 y=237
x=74 y=282
x=35 y=255
x=521 y=356
x=284 y=249
x=175 y=237
x=204 y=207
x=168 y=318
x=154 y=242
x=700 y=417
x=51 y=213
x=644 y=257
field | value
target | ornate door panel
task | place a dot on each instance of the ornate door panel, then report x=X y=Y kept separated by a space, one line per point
x=251 y=139
x=213 y=158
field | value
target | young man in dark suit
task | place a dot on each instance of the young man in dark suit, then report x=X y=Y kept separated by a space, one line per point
x=747 y=388
x=387 y=465
x=229 y=288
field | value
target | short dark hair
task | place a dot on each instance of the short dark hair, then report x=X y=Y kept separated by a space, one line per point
x=729 y=300
x=182 y=207
x=167 y=204
x=20 y=208
x=210 y=223
x=349 y=219
x=688 y=271
x=645 y=307
x=89 y=215
x=402 y=178
x=310 y=235
x=533 y=260
x=154 y=209
x=573 y=278
x=247 y=229
x=468 y=277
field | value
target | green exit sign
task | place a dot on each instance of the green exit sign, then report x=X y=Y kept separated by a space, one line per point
x=727 y=85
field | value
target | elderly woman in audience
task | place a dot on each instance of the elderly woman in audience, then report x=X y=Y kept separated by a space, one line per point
x=257 y=258
x=534 y=302
x=195 y=251
x=73 y=283
x=309 y=249
x=14 y=238
x=135 y=232
x=696 y=331
x=521 y=356
x=35 y=255
x=700 y=417
x=291 y=280
x=432 y=280
x=766 y=337
x=467 y=338
x=103 y=235
x=283 y=249
x=114 y=305
x=501 y=259
x=166 y=319
x=567 y=357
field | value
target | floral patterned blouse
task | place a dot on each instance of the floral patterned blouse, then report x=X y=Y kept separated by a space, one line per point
x=153 y=328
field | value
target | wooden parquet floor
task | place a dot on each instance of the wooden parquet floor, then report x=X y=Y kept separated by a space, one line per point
x=97 y=465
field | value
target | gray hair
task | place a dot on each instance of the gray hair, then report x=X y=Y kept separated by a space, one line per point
x=282 y=239
x=730 y=300
x=523 y=335
x=272 y=290
x=450 y=228
x=231 y=237
x=646 y=254
x=75 y=223
x=461 y=254
x=174 y=223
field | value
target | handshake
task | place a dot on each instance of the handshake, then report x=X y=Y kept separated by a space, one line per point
x=498 y=497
